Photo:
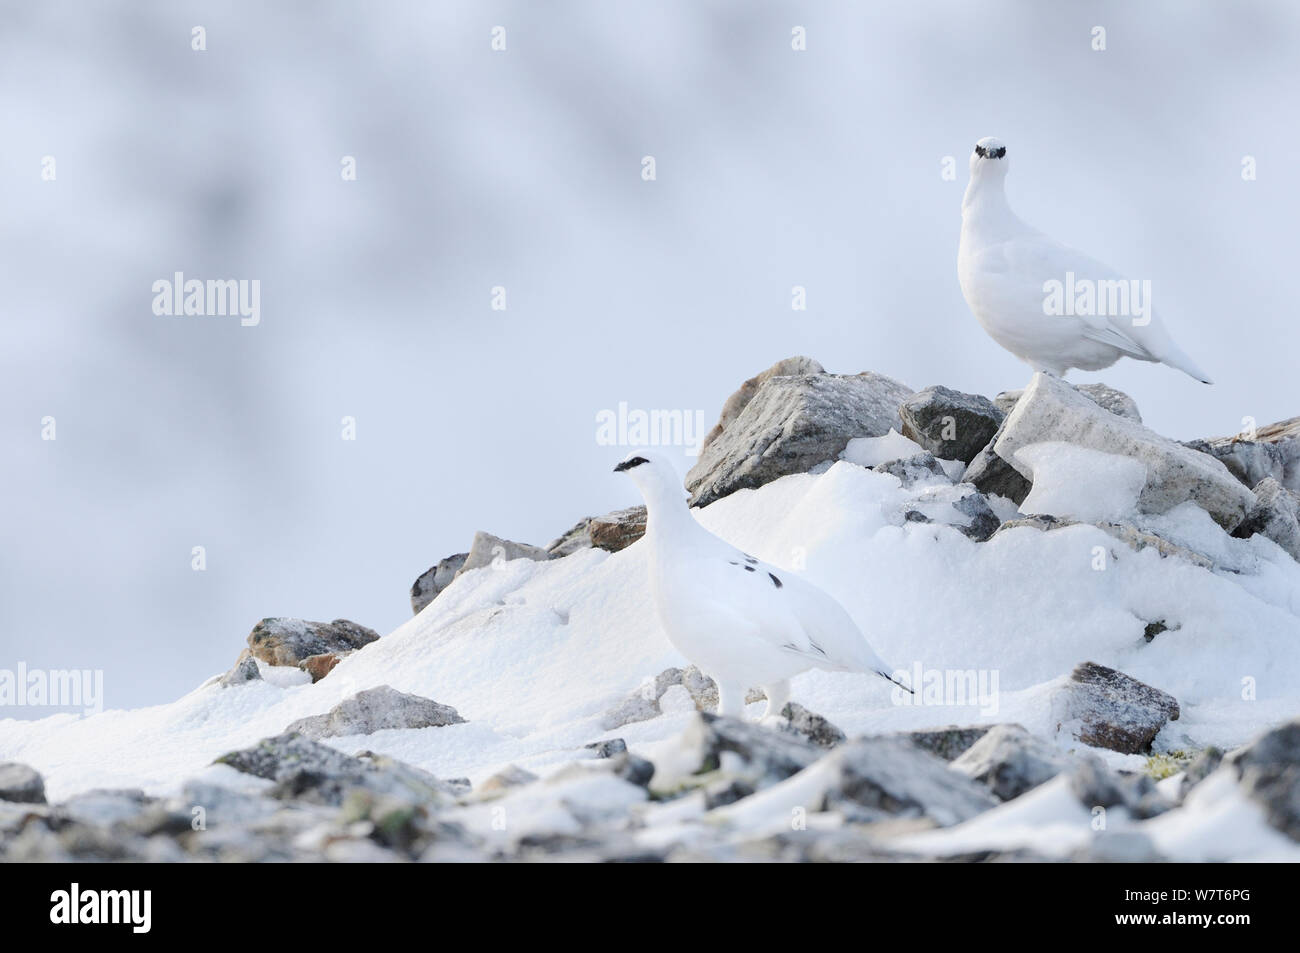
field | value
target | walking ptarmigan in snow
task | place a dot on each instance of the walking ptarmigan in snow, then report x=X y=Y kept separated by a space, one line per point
x=1047 y=304
x=743 y=622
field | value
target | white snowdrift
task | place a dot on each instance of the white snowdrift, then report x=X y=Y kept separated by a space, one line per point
x=532 y=654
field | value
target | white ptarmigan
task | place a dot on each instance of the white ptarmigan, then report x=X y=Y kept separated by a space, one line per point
x=743 y=622
x=1005 y=267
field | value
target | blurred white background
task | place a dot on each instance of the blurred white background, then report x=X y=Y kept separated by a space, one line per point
x=522 y=168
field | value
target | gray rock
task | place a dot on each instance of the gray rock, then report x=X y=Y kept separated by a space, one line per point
x=376 y=709
x=989 y=473
x=1268 y=770
x=875 y=778
x=1009 y=761
x=21 y=784
x=789 y=367
x=488 y=550
x=947 y=743
x=790 y=426
x=950 y=424
x=811 y=726
x=307 y=770
x=1108 y=398
x=1205 y=764
x=1095 y=785
x=983 y=521
x=1271 y=451
x=608 y=748
x=435 y=579
x=1052 y=410
x=643 y=703
x=738 y=749
x=923 y=467
x=1275 y=515
x=1108 y=709
x=277 y=641
x=245 y=670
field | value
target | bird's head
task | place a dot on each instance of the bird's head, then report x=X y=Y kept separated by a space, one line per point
x=989 y=156
x=653 y=475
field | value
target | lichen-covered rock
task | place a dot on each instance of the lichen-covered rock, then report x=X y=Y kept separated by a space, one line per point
x=921 y=468
x=21 y=784
x=278 y=641
x=1275 y=515
x=791 y=425
x=1009 y=761
x=376 y=709
x=1205 y=764
x=435 y=579
x=1052 y=410
x=788 y=367
x=950 y=424
x=617 y=531
x=1108 y=709
x=738 y=749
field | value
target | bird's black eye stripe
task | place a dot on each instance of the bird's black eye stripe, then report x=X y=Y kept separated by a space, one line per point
x=629 y=464
x=997 y=153
x=776 y=582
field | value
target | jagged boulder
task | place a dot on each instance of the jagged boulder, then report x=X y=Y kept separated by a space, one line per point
x=435 y=579
x=244 y=670
x=950 y=424
x=278 y=641
x=1052 y=410
x=1268 y=770
x=791 y=425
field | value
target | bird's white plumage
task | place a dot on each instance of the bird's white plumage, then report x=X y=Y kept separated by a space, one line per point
x=743 y=622
x=1003 y=264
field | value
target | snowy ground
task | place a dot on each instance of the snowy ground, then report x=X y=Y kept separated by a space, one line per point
x=533 y=653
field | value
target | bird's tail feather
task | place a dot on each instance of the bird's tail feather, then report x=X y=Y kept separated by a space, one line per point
x=1177 y=359
x=889 y=678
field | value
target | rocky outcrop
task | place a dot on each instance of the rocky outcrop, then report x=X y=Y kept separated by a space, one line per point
x=376 y=709
x=277 y=641
x=435 y=579
x=1131 y=536
x=1108 y=709
x=791 y=425
x=949 y=424
x=1270 y=451
x=1053 y=411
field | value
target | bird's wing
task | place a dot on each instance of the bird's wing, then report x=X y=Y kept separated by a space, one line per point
x=1034 y=259
x=791 y=613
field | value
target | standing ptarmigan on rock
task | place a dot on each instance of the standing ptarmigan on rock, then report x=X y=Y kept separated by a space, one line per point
x=1006 y=270
x=743 y=622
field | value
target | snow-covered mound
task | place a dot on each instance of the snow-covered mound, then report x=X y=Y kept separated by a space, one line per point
x=538 y=658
